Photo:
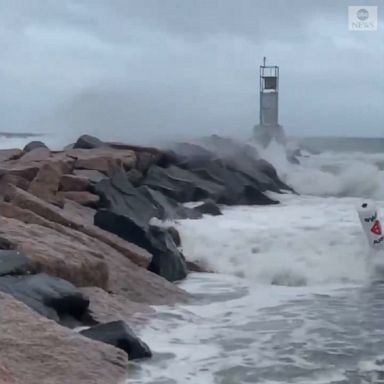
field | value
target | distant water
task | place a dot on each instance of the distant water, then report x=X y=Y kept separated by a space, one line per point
x=294 y=299
x=344 y=144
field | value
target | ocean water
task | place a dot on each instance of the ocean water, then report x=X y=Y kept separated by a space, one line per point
x=295 y=297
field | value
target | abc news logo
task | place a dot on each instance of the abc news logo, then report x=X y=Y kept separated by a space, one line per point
x=362 y=18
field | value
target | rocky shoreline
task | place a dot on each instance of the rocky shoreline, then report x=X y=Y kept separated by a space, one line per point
x=80 y=246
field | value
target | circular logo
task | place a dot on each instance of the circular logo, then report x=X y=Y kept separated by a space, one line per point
x=362 y=14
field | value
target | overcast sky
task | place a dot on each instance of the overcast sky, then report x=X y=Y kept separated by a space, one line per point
x=146 y=69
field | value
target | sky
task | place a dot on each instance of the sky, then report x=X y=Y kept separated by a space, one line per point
x=144 y=70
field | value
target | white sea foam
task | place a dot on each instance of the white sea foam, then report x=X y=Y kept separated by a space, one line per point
x=242 y=329
x=330 y=173
x=305 y=240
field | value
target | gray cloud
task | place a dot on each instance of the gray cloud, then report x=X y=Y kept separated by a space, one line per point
x=146 y=70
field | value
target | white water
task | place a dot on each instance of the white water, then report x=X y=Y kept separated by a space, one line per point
x=286 y=276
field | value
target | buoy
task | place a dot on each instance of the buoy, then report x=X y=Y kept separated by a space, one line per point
x=370 y=221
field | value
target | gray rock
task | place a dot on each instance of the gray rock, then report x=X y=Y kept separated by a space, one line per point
x=33 y=145
x=89 y=142
x=13 y=262
x=54 y=298
x=208 y=207
x=120 y=335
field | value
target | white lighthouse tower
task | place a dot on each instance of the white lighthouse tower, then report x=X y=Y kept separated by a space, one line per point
x=269 y=127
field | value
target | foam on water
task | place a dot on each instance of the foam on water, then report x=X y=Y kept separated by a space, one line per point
x=292 y=300
x=305 y=240
x=341 y=174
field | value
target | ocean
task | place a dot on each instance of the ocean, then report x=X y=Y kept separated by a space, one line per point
x=294 y=298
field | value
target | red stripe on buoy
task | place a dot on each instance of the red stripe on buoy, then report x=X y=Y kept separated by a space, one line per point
x=376 y=228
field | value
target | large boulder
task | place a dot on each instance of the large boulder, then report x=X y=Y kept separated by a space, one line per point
x=25 y=171
x=182 y=185
x=49 y=296
x=105 y=307
x=36 y=154
x=46 y=183
x=168 y=208
x=208 y=207
x=120 y=335
x=102 y=159
x=237 y=167
x=54 y=248
x=69 y=182
x=91 y=175
x=13 y=262
x=85 y=198
x=33 y=145
x=89 y=142
x=146 y=156
x=127 y=213
x=18 y=181
x=35 y=350
x=167 y=260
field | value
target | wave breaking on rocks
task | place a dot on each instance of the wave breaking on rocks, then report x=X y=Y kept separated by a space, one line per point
x=82 y=245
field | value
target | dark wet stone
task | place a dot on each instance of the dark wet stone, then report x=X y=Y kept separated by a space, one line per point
x=13 y=262
x=89 y=142
x=33 y=145
x=209 y=208
x=120 y=335
x=50 y=296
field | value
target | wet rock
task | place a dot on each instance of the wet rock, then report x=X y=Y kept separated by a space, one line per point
x=167 y=261
x=71 y=182
x=120 y=335
x=89 y=142
x=134 y=176
x=33 y=145
x=208 y=207
x=35 y=350
x=124 y=226
x=235 y=165
x=49 y=296
x=13 y=262
x=168 y=208
x=175 y=235
x=85 y=198
x=190 y=155
x=119 y=196
x=182 y=185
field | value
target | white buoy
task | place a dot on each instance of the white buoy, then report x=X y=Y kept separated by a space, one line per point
x=370 y=221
